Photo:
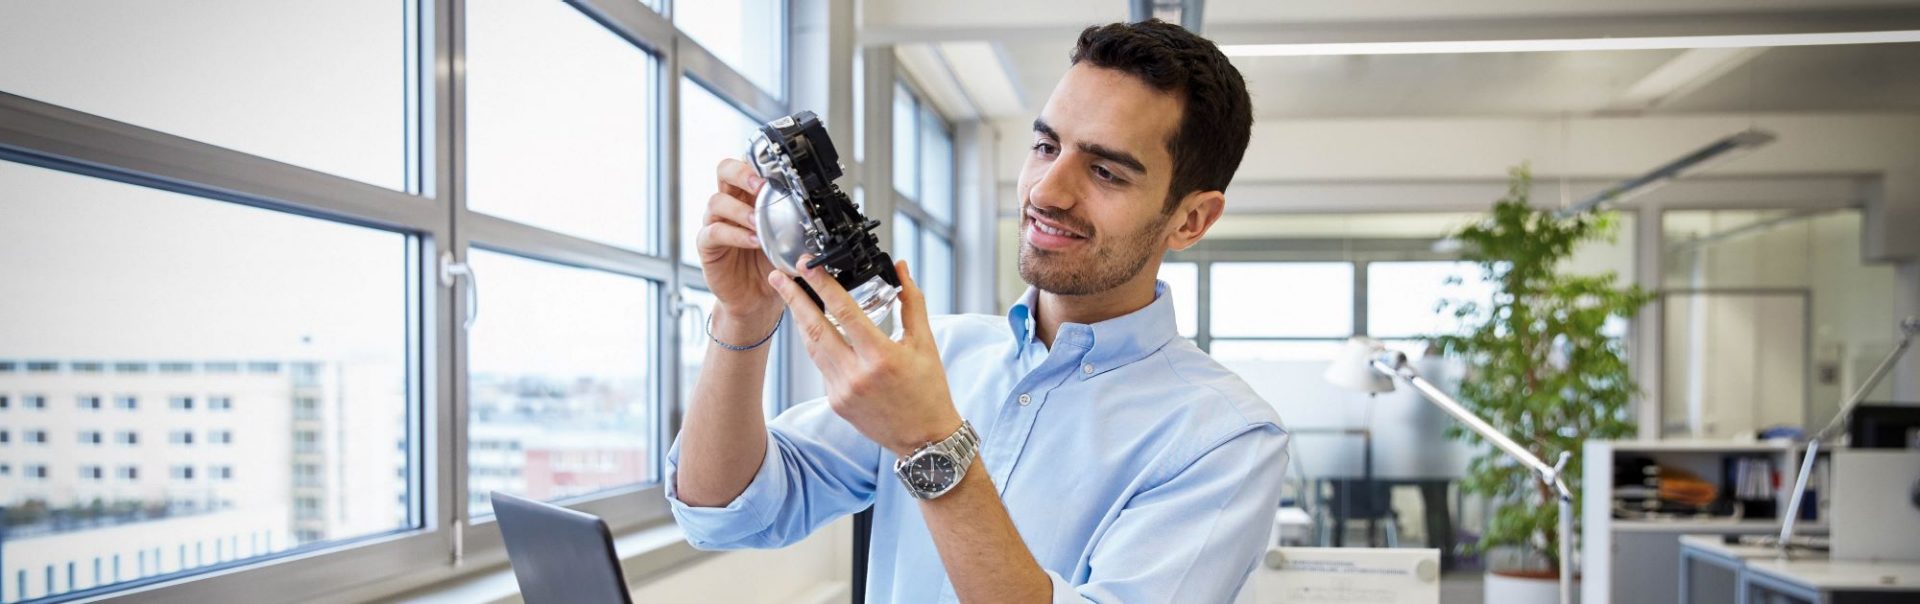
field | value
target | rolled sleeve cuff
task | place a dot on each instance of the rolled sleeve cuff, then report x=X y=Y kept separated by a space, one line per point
x=749 y=513
x=1064 y=592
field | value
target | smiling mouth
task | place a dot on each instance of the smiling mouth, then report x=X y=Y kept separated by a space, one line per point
x=1043 y=227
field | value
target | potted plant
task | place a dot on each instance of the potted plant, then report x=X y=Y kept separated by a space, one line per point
x=1545 y=366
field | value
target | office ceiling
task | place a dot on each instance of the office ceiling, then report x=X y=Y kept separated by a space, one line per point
x=1032 y=41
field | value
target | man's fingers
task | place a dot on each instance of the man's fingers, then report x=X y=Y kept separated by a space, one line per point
x=741 y=177
x=823 y=343
x=721 y=234
x=913 y=308
x=861 y=330
x=725 y=207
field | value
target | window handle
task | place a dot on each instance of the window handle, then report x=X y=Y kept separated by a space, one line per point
x=451 y=270
x=677 y=304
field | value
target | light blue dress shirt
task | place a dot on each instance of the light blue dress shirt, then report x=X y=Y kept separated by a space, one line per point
x=1135 y=467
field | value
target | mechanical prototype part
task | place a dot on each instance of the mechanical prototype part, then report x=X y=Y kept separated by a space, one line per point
x=800 y=211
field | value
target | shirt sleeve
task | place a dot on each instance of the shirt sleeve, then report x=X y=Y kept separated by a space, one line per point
x=817 y=468
x=1195 y=537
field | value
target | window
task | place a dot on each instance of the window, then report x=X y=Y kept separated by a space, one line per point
x=313 y=295
x=5 y=437
x=337 y=111
x=559 y=363
x=746 y=34
x=1183 y=283
x=906 y=142
x=1405 y=299
x=335 y=284
x=923 y=169
x=1282 y=299
x=91 y=437
x=552 y=93
x=88 y=402
x=6 y=469
x=710 y=130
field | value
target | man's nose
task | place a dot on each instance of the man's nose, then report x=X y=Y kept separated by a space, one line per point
x=1055 y=189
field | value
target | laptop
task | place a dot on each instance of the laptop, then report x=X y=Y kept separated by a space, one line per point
x=559 y=555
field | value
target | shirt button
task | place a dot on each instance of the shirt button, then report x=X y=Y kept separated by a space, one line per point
x=1086 y=368
x=1026 y=399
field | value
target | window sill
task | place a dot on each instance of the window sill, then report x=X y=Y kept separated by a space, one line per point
x=645 y=554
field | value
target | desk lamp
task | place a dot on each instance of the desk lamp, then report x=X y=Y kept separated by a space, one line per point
x=1908 y=328
x=1365 y=365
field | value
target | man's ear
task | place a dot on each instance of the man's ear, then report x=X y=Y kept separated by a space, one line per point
x=1194 y=217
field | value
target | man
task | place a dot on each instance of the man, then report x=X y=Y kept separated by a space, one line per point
x=1081 y=451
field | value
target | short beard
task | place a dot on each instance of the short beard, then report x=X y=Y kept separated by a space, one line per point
x=1110 y=265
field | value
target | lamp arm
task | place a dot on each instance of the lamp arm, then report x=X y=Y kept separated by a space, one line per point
x=1439 y=398
x=1395 y=364
x=1908 y=328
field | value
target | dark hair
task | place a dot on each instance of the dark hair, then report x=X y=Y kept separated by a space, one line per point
x=1217 y=116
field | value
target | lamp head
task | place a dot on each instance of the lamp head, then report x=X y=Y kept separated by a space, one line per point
x=800 y=213
x=1353 y=368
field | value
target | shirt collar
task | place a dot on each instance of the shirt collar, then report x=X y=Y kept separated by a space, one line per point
x=1110 y=343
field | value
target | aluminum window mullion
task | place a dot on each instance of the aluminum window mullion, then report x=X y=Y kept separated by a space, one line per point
x=631 y=20
x=730 y=85
x=50 y=136
x=481 y=230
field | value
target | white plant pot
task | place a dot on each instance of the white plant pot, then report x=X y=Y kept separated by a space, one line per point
x=1504 y=589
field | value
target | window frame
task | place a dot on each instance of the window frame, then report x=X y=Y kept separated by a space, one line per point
x=431 y=211
x=927 y=224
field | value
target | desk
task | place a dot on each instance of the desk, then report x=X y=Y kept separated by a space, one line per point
x=1759 y=577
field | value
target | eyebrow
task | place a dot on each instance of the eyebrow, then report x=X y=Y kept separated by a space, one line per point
x=1117 y=156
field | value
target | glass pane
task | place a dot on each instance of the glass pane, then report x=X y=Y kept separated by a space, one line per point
x=1282 y=299
x=1183 y=283
x=1848 y=325
x=937 y=273
x=1403 y=298
x=747 y=34
x=560 y=381
x=906 y=142
x=161 y=418
x=1276 y=350
x=906 y=240
x=693 y=354
x=936 y=167
x=859 y=106
x=710 y=130
x=321 y=85
x=557 y=124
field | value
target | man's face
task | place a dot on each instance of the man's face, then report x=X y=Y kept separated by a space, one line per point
x=1093 y=192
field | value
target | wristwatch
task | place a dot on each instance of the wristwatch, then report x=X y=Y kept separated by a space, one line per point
x=936 y=467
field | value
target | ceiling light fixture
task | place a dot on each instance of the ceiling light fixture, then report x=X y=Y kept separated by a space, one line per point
x=1567 y=45
x=1740 y=143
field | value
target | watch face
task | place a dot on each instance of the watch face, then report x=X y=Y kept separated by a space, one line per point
x=931 y=473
